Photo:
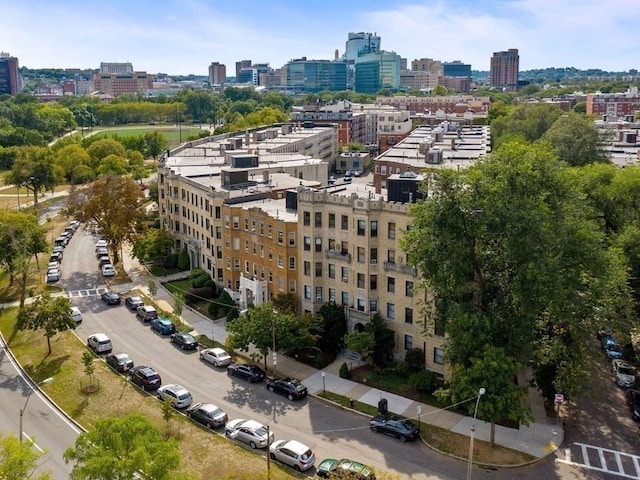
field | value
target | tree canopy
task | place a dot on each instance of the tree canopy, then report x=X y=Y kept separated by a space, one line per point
x=19 y=460
x=51 y=314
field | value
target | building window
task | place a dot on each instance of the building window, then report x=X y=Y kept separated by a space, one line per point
x=344 y=274
x=332 y=270
x=236 y=244
x=318 y=294
x=318 y=244
x=270 y=276
x=373 y=282
x=373 y=253
x=307 y=244
x=236 y=264
x=438 y=356
x=218 y=213
x=292 y=239
x=391 y=311
x=261 y=251
x=246 y=266
x=246 y=246
x=307 y=292
x=408 y=342
x=345 y=298
x=318 y=219
x=408 y=315
x=318 y=269
x=332 y=220
x=280 y=237
x=332 y=295
x=361 y=228
x=270 y=254
x=408 y=289
x=392 y=231
x=360 y=304
x=391 y=285
x=344 y=222
x=292 y=263
x=307 y=268
x=373 y=306
x=236 y=222
x=269 y=231
x=360 y=281
x=373 y=229
x=361 y=254
x=391 y=256
x=246 y=224
x=292 y=286
x=306 y=219
x=280 y=261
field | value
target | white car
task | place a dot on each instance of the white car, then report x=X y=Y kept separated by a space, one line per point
x=293 y=453
x=99 y=343
x=53 y=265
x=625 y=374
x=101 y=244
x=250 y=432
x=180 y=396
x=76 y=314
x=216 y=356
x=108 y=270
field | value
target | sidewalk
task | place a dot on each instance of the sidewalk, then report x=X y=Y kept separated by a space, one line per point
x=539 y=439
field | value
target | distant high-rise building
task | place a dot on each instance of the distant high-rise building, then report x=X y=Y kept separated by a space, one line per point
x=116 y=84
x=456 y=69
x=427 y=65
x=217 y=73
x=358 y=43
x=113 y=67
x=375 y=71
x=315 y=75
x=504 y=70
x=9 y=74
x=242 y=66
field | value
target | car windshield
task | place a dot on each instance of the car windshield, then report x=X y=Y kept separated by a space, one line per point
x=215 y=412
x=626 y=370
x=613 y=347
x=184 y=396
x=261 y=432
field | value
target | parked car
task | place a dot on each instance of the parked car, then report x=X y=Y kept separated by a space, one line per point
x=394 y=426
x=102 y=251
x=289 y=387
x=74 y=224
x=145 y=377
x=108 y=270
x=215 y=356
x=61 y=241
x=623 y=373
x=611 y=347
x=104 y=260
x=51 y=265
x=56 y=257
x=207 y=414
x=58 y=248
x=99 y=343
x=120 y=362
x=53 y=275
x=248 y=372
x=179 y=396
x=110 y=298
x=101 y=244
x=132 y=303
x=163 y=326
x=185 y=341
x=292 y=453
x=332 y=180
x=76 y=314
x=250 y=432
x=146 y=313
x=633 y=402
x=344 y=468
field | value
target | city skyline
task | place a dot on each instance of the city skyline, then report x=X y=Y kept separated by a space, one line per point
x=184 y=37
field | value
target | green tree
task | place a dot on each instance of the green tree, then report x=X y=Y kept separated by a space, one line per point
x=184 y=262
x=362 y=343
x=514 y=260
x=226 y=302
x=118 y=222
x=284 y=303
x=19 y=460
x=154 y=244
x=70 y=158
x=439 y=91
x=102 y=148
x=34 y=170
x=527 y=121
x=89 y=366
x=383 y=338
x=334 y=327
x=51 y=314
x=168 y=412
x=153 y=287
x=155 y=144
x=113 y=164
x=124 y=447
x=577 y=140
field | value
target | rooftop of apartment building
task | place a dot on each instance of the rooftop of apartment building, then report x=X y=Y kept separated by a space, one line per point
x=624 y=143
x=456 y=146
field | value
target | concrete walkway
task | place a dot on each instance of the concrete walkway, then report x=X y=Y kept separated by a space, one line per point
x=539 y=439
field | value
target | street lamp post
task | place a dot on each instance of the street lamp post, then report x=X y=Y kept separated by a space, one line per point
x=22 y=410
x=473 y=429
x=324 y=386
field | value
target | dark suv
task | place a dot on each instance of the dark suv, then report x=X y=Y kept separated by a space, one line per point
x=145 y=377
x=289 y=387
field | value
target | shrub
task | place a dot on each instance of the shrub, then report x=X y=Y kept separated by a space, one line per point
x=198 y=294
x=171 y=261
x=226 y=302
x=344 y=371
x=183 y=260
x=210 y=283
x=200 y=281
x=403 y=369
x=232 y=314
x=423 y=381
x=212 y=310
x=415 y=359
x=196 y=272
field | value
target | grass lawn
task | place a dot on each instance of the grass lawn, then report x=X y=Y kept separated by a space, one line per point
x=204 y=455
x=174 y=135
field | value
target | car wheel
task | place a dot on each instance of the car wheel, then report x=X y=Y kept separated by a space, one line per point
x=227 y=432
x=248 y=379
x=270 y=388
x=215 y=364
x=181 y=347
x=228 y=371
x=252 y=445
x=403 y=438
x=374 y=429
x=296 y=467
x=290 y=397
x=273 y=457
x=210 y=426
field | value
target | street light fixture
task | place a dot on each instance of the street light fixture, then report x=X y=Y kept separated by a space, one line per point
x=22 y=410
x=324 y=386
x=481 y=392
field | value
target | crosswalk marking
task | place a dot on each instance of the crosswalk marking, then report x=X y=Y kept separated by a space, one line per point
x=595 y=458
x=88 y=292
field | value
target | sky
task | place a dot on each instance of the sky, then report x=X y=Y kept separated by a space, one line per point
x=181 y=37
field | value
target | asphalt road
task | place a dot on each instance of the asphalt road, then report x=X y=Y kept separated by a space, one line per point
x=42 y=423
x=328 y=431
